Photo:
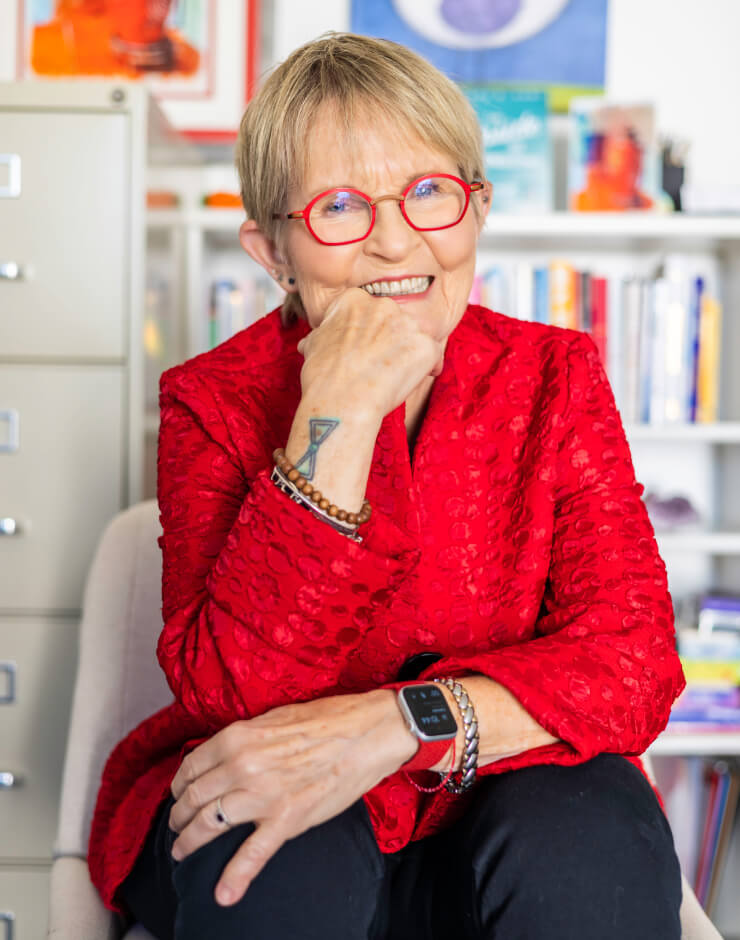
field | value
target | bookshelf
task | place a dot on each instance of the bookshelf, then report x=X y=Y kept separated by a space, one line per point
x=193 y=246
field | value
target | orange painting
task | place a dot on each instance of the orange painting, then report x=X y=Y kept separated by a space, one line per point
x=128 y=38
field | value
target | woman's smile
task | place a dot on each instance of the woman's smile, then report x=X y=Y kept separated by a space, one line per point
x=400 y=289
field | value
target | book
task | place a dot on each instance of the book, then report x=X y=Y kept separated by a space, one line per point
x=613 y=160
x=726 y=823
x=542 y=295
x=517 y=148
x=710 y=332
x=692 y=345
x=563 y=295
x=599 y=318
x=524 y=291
x=660 y=296
x=632 y=306
x=675 y=402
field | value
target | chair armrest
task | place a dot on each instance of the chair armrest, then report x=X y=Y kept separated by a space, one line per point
x=695 y=925
x=76 y=911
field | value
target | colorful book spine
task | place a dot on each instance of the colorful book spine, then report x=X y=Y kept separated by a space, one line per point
x=542 y=295
x=675 y=355
x=524 y=291
x=563 y=295
x=632 y=312
x=645 y=359
x=599 y=317
x=692 y=345
x=710 y=329
x=585 y=306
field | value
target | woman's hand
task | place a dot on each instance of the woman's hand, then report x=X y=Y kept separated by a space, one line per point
x=287 y=770
x=368 y=354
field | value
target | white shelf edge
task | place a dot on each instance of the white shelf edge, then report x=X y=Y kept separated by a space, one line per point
x=701 y=542
x=599 y=225
x=207 y=220
x=720 y=432
x=606 y=225
x=699 y=743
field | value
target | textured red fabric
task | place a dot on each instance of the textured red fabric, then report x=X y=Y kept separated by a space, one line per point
x=515 y=543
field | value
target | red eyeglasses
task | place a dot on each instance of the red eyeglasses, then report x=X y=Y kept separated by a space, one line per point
x=342 y=216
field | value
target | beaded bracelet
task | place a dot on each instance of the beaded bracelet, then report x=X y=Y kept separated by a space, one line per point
x=469 y=766
x=301 y=483
x=315 y=503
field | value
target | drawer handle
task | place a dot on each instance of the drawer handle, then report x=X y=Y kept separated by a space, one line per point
x=10 y=669
x=12 y=442
x=11 y=271
x=12 y=188
x=10 y=780
x=7 y=918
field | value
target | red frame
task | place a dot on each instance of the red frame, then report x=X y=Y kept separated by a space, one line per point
x=251 y=45
x=306 y=211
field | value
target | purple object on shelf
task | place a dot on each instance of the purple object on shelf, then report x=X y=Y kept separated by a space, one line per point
x=673 y=512
x=479 y=16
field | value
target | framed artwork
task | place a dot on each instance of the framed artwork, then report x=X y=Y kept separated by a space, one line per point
x=509 y=42
x=198 y=56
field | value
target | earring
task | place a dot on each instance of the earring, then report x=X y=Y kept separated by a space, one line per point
x=291 y=281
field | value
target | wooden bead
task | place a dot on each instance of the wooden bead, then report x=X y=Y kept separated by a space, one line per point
x=342 y=515
x=352 y=518
x=316 y=496
x=333 y=511
x=293 y=475
x=324 y=503
x=307 y=488
x=300 y=482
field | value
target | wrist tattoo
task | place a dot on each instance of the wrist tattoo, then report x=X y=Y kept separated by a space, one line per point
x=318 y=431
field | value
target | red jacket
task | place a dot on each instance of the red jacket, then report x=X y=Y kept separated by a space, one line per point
x=516 y=545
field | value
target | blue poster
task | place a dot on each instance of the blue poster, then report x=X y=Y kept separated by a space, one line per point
x=546 y=42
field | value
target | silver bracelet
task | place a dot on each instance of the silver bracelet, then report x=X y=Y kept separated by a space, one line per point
x=292 y=491
x=469 y=766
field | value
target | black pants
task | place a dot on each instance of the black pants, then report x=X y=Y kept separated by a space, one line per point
x=562 y=853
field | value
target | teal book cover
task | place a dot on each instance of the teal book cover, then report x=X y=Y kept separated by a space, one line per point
x=516 y=141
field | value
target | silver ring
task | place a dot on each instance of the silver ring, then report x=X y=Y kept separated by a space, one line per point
x=221 y=815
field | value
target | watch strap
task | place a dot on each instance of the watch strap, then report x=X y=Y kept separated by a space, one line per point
x=428 y=754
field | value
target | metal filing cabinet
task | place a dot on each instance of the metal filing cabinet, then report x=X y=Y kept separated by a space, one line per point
x=73 y=160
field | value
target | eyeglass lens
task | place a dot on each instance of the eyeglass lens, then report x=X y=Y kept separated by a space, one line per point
x=431 y=203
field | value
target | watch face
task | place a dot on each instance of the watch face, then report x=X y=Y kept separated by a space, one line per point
x=430 y=710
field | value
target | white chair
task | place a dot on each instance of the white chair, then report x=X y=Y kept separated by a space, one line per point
x=119 y=683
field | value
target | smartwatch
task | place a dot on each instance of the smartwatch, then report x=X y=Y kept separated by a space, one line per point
x=430 y=720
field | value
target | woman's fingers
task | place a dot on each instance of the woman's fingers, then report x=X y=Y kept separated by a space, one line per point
x=287 y=819
x=239 y=806
x=197 y=794
x=248 y=861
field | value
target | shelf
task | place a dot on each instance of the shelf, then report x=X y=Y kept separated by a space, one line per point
x=700 y=542
x=585 y=227
x=609 y=224
x=206 y=220
x=714 y=743
x=721 y=432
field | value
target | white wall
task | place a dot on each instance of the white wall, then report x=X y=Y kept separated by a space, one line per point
x=680 y=54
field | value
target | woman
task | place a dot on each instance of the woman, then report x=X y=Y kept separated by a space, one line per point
x=455 y=500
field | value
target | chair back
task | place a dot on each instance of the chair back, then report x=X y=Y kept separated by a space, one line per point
x=119 y=681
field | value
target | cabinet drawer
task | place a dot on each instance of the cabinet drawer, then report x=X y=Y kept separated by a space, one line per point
x=60 y=479
x=34 y=714
x=67 y=230
x=24 y=903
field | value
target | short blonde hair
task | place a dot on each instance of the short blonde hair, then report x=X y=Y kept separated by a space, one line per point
x=357 y=76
